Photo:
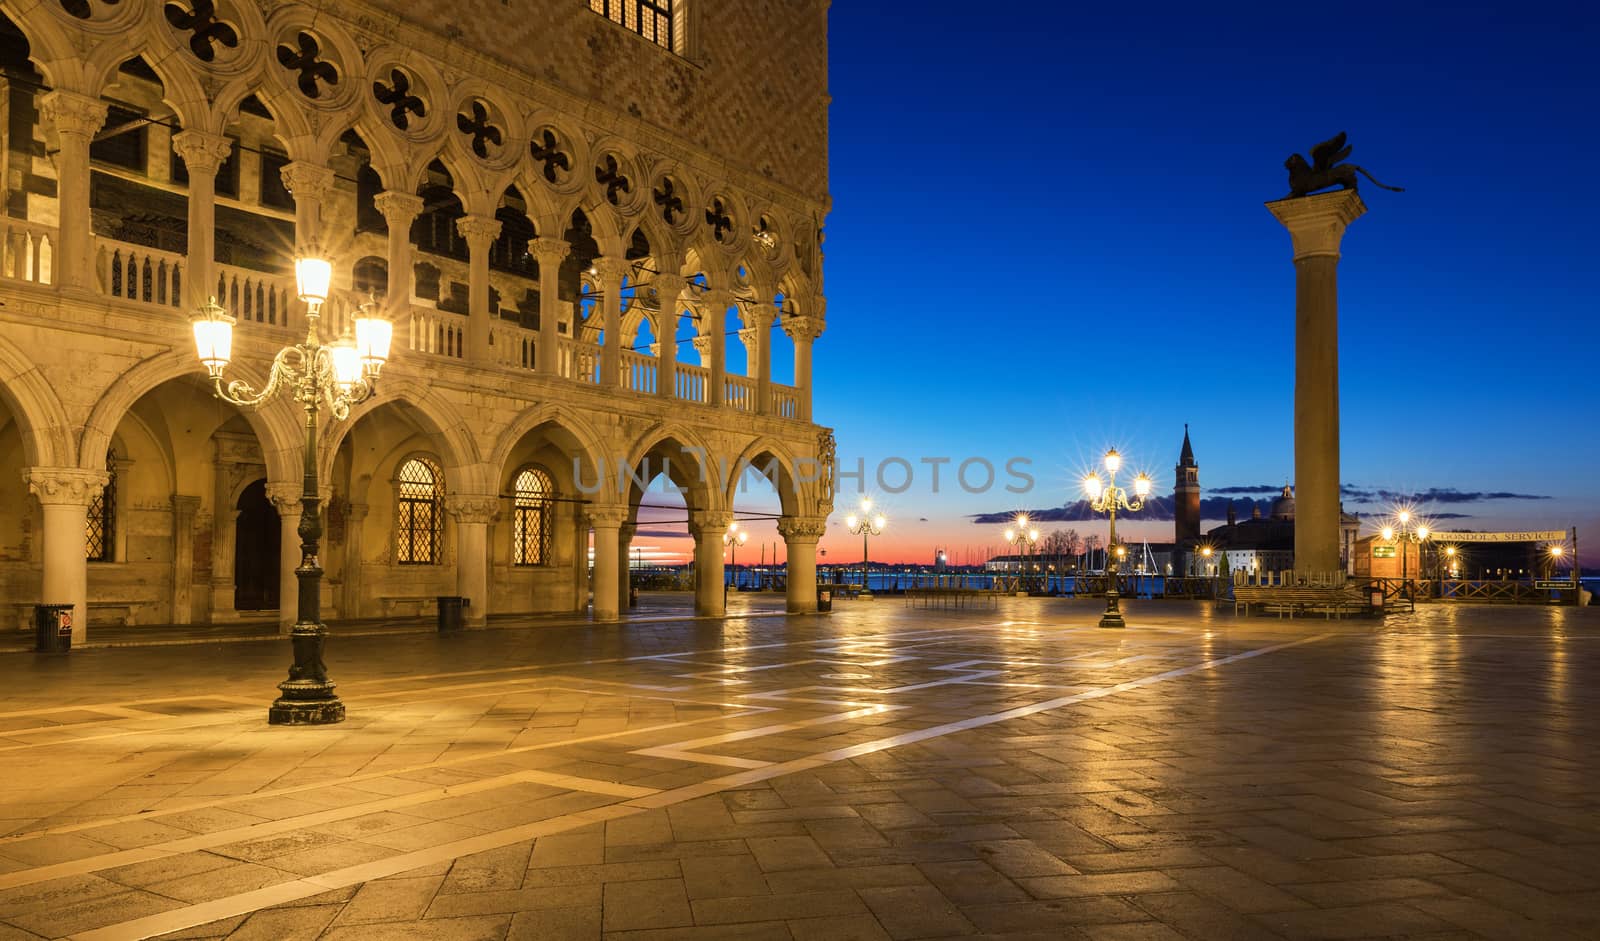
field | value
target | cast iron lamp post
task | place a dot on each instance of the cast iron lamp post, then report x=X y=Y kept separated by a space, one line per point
x=1405 y=532
x=1106 y=498
x=733 y=539
x=316 y=376
x=867 y=524
x=1022 y=538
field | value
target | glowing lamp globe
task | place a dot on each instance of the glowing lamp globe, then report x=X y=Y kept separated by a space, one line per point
x=1113 y=460
x=313 y=277
x=1141 y=485
x=1092 y=486
x=346 y=361
x=213 y=337
x=373 y=336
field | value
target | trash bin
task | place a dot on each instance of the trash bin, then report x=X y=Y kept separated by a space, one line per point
x=824 y=599
x=633 y=597
x=451 y=616
x=52 y=625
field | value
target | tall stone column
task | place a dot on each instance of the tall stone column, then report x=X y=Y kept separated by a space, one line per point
x=473 y=513
x=758 y=351
x=202 y=154
x=350 y=590
x=480 y=232
x=549 y=253
x=669 y=293
x=310 y=185
x=76 y=118
x=1316 y=227
x=802 y=330
x=800 y=535
x=285 y=498
x=625 y=536
x=65 y=494
x=611 y=272
x=607 y=522
x=708 y=527
x=399 y=210
x=716 y=329
x=184 y=510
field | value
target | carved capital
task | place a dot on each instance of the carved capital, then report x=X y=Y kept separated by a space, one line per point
x=472 y=507
x=803 y=328
x=801 y=529
x=307 y=180
x=718 y=299
x=761 y=316
x=64 y=486
x=399 y=209
x=184 y=510
x=286 y=498
x=605 y=517
x=549 y=251
x=750 y=336
x=1316 y=224
x=612 y=270
x=202 y=153
x=479 y=231
x=709 y=524
x=72 y=113
x=702 y=345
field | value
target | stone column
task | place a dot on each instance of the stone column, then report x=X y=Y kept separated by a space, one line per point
x=285 y=498
x=1316 y=227
x=473 y=513
x=800 y=535
x=549 y=253
x=607 y=522
x=611 y=272
x=350 y=591
x=708 y=527
x=802 y=330
x=758 y=346
x=669 y=293
x=480 y=232
x=717 y=304
x=399 y=212
x=309 y=184
x=76 y=118
x=625 y=536
x=65 y=494
x=202 y=154
x=184 y=511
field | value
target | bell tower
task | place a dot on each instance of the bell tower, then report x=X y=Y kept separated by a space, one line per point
x=1186 y=497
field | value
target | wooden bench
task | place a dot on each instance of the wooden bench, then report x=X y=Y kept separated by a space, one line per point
x=425 y=605
x=948 y=597
x=1331 y=600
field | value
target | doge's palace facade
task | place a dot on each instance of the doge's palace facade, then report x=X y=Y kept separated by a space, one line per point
x=595 y=224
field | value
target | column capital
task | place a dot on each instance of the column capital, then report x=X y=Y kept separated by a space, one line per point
x=709 y=523
x=719 y=299
x=472 y=507
x=762 y=315
x=64 y=486
x=702 y=345
x=1316 y=224
x=72 y=113
x=602 y=516
x=670 y=285
x=612 y=270
x=398 y=209
x=549 y=249
x=286 y=497
x=479 y=231
x=306 y=180
x=201 y=152
x=750 y=336
x=803 y=328
x=804 y=529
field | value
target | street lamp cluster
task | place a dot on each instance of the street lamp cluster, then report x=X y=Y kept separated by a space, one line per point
x=1106 y=497
x=865 y=523
x=733 y=539
x=1405 y=532
x=334 y=376
x=1022 y=537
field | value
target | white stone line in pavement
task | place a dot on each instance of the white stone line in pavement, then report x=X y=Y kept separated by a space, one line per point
x=124 y=704
x=741 y=711
x=266 y=828
x=189 y=916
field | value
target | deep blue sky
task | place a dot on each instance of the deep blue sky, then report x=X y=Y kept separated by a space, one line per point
x=1048 y=237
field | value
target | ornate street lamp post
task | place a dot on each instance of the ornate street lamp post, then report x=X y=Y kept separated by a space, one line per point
x=1022 y=538
x=1106 y=498
x=1406 y=532
x=867 y=524
x=733 y=539
x=317 y=376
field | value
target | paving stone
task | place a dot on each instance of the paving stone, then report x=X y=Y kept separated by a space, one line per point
x=656 y=903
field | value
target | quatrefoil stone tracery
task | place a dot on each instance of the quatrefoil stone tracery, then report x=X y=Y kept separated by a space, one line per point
x=475 y=122
x=397 y=97
x=206 y=31
x=305 y=58
x=85 y=9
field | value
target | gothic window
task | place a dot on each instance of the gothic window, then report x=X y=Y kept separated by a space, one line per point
x=101 y=532
x=417 y=524
x=532 y=517
x=651 y=19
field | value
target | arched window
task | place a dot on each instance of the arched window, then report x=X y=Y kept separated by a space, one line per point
x=417 y=523
x=101 y=532
x=532 y=512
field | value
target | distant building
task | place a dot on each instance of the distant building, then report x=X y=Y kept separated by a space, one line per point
x=1185 y=506
x=1266 y=544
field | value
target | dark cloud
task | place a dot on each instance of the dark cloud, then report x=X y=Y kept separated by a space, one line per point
x=1156 y=508
x=1442 y=495
x=660 y=534
x=1263 y=488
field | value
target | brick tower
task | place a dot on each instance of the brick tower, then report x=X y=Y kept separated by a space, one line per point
x=1186 y=501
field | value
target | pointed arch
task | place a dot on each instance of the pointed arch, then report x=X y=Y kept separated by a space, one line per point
x=774 y=462
x=684 y=456
x=585 y=443
x=38 y=412
x=458 y=449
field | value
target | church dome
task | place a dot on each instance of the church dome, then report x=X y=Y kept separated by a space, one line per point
x=1283 y=507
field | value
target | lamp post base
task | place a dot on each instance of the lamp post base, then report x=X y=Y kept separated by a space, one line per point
x=1112 y=619
x=286 y=711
